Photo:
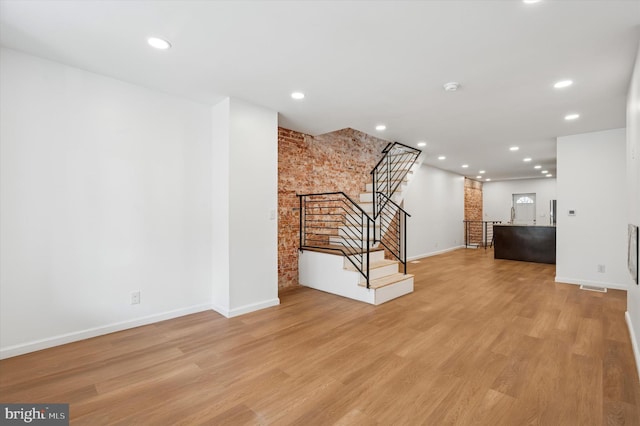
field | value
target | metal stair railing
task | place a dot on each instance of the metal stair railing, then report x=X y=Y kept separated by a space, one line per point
x=332 y=221
x=390 y=172
x=393 y=224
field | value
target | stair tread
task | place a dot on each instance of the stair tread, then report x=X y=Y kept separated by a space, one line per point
x=388 y=280
x=374 y=265
x=338 y=250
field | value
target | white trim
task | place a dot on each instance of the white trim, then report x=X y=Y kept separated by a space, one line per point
x=634 y=342
x=616 y=286
x=434 y=253
x=224 y=311
x=241 y=310
x=62 y=339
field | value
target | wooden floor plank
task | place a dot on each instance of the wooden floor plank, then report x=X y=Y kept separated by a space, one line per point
x=480 y=341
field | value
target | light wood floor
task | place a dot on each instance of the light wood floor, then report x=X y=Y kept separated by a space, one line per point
x=479 y=342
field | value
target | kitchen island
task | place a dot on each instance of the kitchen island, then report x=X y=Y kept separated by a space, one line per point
x=525 y=242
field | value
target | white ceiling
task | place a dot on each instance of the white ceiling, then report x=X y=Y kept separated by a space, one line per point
x=361 y=63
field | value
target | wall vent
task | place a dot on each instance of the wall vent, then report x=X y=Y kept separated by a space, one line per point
x=593 y=288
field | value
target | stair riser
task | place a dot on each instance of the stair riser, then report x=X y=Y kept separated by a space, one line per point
x=374 y=256
x=381 y=272
x=369 y=187
x=367 y=197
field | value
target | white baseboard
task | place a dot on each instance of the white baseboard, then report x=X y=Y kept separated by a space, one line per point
x=434 y=253
x=634 y=342
x=62 y=339
x=615 y=286
x=241 y=310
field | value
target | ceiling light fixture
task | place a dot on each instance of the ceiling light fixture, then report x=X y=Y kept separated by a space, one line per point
x=297 y=95
x=537 y=166
x=571 y=117
x=158 y=43
x=452 y=86
x=562 y=84
x=526 y=160
x=478 y=177
x=488 y=180
x=481 y=171
x=464 y=166
x=421 y=144
x=530 y=1
x=442 y=157
x=380 y=127
x=514 y=148
x=549 y=175
x=544 y=172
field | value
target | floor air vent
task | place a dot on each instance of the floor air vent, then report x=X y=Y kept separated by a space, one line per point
x=593 y=288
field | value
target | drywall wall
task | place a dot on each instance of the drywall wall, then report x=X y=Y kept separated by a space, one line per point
x=253 y=203
x=435 y=200
x=220 y=125
x=591 y=177
x=498 y=198
x=105 y=189
x=633 y=197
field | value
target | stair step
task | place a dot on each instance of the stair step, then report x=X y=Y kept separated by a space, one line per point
x=374 y=265
x=369 y=186
x=367 y=197
x=386 y=281
x=338 y=250
x=378 y=269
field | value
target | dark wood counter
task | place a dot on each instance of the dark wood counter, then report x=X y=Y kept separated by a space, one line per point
x=527 y=243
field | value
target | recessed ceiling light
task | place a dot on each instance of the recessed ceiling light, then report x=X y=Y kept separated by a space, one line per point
x=514 y=148
x=451 y=86
x=297 y=95
x=158 y=43
x=421 y=144
x=442 y=157
x=544 y=172
x=571 y=116
x=464 y=166
x=380 y=127
x=530 y=1
x=488 y=180
x=481 y=171
x=526 y=160
x=478 y=177
x=538 y=166
x=563 y=83
x=549 y=175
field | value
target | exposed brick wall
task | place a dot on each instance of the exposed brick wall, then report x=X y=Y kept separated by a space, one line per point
x=473 y=207
x=337 y=161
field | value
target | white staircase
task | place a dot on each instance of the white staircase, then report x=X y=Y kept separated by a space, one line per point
x=340 y=266
x=333 y=273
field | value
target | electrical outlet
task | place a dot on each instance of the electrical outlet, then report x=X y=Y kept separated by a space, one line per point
x=601 y=268
x=135 y=298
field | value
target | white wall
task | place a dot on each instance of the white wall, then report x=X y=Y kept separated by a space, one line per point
x=253 y=195
x=591 y=176
x=435 y=201
x=633 y=196
x=497 y=198
x=245 y=186
x=105 y=189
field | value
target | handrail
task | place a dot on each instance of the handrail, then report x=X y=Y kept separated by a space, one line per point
x=393 y=229
x=394 y=203
x=333 y=221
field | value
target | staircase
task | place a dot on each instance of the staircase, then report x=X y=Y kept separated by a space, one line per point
x=358 y=249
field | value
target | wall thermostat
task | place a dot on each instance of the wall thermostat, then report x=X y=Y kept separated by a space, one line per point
x=572 y=212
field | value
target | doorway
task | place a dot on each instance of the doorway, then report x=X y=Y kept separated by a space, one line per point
x=524 y=209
